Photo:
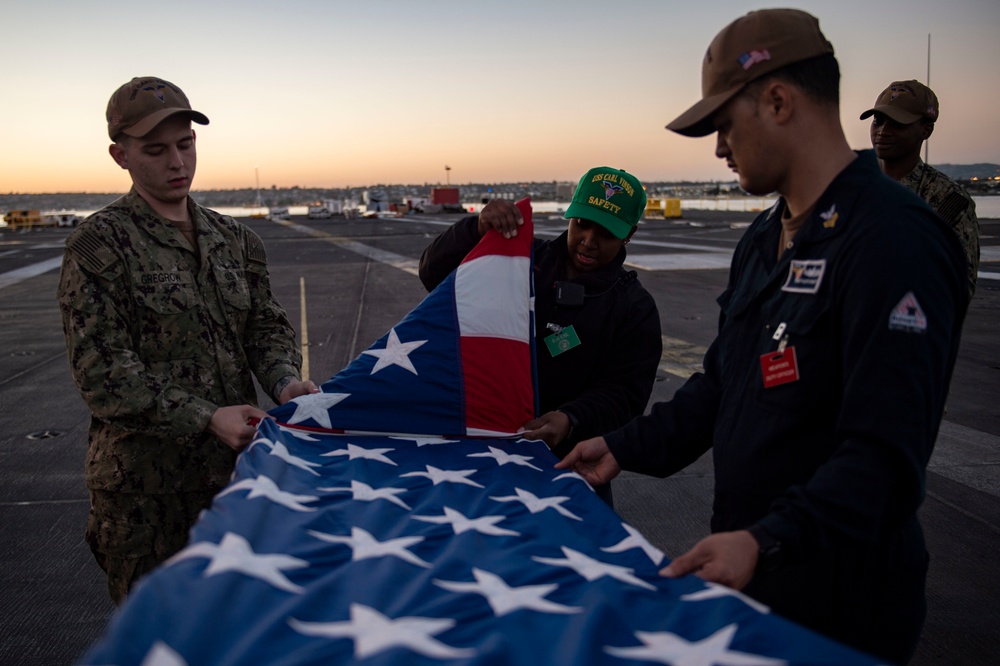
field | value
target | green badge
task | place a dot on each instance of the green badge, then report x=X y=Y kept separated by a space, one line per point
x=562 y=341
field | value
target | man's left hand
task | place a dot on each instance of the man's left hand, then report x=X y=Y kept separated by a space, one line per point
x=728 y=558
x=296 y=388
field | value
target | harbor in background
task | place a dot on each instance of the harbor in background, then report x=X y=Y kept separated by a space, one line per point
x=987 y=207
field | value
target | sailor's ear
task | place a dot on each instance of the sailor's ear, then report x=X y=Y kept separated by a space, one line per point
x=119 y=155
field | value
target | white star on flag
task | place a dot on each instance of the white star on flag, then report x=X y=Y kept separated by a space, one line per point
x=315 y=406
x=717 y=591
x=536 y=504
x=259 y=439
x=395 y=353
x=161 y=654
x=234 y=553
x=423 y=441
x=447 y=476
x=573 y=476
x=362 y=492
x=298 y=434
x=635 y=539
x=366 y=546
x=667 y=648
x=503 y=458
x=265 y=487
x=353 y=452
x=461 y=523
x=280 y=451
x=373 y=632
x=504 y=599
x=592 y=569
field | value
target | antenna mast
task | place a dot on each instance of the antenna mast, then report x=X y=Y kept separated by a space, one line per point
x=258 y=203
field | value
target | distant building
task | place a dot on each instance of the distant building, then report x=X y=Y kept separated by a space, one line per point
x=565 y=191
x=375 y=200
x=444 y=195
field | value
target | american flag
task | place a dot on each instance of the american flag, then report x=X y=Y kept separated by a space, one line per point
x=459 y=364
x=361 y=548
x=751 y=58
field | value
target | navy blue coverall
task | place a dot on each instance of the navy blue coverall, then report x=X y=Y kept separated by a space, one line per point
x=857 y=329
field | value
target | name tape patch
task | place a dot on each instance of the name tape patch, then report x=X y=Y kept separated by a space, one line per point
x=804 y=276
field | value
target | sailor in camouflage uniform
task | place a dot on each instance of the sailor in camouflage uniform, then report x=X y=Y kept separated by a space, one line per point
x=167 y=310
x=904 y=117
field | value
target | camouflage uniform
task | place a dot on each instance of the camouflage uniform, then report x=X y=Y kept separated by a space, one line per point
x=954 y=205
x=158 y=339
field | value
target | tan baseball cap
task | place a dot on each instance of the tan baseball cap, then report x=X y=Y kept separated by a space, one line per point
x=145 y=102
x=906 y=102
x=745 y=50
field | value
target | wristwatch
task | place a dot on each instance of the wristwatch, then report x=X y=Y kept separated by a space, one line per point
x=573 y=421
x=769 y=555
x=280 y=386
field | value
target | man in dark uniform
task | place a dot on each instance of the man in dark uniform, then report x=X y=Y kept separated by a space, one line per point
x=903 y=118
x=168 y=315
x=824 y=389
x=598 y=329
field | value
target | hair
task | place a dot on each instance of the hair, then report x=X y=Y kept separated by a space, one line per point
x=818 y=78
x=122 y=140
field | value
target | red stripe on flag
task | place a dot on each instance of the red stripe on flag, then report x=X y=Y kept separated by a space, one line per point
x=518 y=246
x=497 y=372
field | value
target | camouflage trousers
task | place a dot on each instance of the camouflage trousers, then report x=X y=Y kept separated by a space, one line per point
x=131 y=533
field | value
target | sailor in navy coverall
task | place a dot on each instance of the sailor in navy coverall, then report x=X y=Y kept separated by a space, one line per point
x=824 y=389
x=831 y=464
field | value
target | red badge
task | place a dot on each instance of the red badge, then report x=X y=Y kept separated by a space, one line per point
x=779 y=367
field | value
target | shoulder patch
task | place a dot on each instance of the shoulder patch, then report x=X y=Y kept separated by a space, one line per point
x=908 y=315
x=253 y=248
x=91 y=252
x=953 y=206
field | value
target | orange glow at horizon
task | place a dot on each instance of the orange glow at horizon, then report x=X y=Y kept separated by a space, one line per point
x=532 y=92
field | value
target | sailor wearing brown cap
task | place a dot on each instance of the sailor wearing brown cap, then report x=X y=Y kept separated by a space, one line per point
x=824 y=388
x=169 y=317
x=903 y=118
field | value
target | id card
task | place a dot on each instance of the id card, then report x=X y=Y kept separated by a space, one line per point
x=562 y=341
x=780 y=367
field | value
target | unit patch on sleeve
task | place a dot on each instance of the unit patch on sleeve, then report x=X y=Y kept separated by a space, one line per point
x=908 y=315
x=804 y=276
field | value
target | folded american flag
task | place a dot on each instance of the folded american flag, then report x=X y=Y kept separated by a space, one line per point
x=347 y=548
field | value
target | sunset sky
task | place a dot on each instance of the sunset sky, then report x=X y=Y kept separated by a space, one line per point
x=324 y=93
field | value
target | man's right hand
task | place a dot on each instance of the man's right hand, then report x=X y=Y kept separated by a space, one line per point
x=232 y=425
x=592 y=460
x=501 y=215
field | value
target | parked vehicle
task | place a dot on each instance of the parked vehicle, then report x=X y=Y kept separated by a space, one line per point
x=61 y=220
x=325 y=209
x=23 y=219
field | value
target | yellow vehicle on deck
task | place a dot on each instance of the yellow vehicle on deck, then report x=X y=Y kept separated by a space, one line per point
x=662 y=208
x=23 y=219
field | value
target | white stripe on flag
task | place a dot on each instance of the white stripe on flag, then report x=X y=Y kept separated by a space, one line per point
x=490 y=299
